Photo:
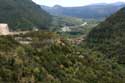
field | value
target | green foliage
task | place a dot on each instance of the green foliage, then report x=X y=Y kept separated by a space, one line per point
x=56 y=63
x=51 y=59
x=23 y=14
x=60 y=21
x=109 y=36
x=7 y=43
x=77 y=26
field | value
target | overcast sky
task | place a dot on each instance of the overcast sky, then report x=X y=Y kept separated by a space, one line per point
x=73 y=2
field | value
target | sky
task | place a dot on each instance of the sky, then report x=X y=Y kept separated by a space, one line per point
x=70 y=3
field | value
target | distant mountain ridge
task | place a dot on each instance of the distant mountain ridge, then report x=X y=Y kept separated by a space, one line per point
x=94 y=11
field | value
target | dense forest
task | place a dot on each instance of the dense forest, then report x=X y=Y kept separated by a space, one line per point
x=109 y=36
x=49 y=61
x=23 y=15
x=45 y=56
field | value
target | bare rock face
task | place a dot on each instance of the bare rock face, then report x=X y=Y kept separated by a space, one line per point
x=4 y=29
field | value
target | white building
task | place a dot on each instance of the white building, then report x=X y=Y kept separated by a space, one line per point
x=66 y=29
x=84 y=24
x=4 y=29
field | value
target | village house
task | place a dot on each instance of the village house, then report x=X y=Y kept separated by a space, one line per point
x=4 y=29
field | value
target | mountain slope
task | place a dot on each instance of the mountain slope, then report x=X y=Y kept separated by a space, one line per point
x=109 y=36
x=95 y=11
x=23 y=14
x=45 y=62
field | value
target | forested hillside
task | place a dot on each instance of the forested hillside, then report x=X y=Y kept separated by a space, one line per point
x=45 y=61
x=109 y=36
x=48 y=56
x=23 y=14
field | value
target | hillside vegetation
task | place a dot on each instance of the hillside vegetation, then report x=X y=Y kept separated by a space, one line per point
x=57 y=62
x=45 y=56
x=76 y=26
x=109 y=36
x=23 y=14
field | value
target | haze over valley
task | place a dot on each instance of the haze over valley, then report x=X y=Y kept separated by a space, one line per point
x=93 y=11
